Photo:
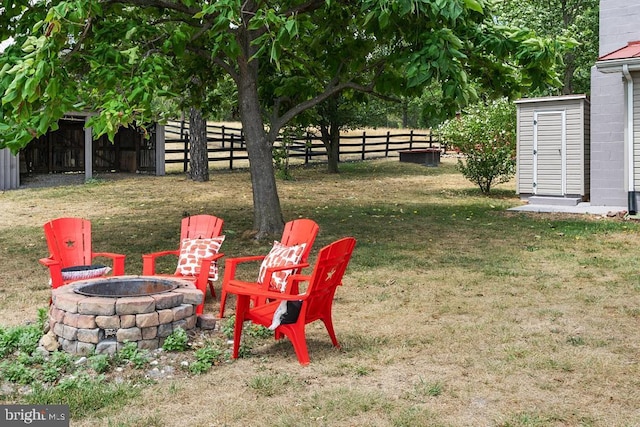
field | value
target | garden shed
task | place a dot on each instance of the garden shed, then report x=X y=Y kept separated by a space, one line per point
x=553 y=154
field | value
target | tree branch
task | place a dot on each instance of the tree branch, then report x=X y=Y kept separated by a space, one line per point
x=309 y=6
x=83 y=36
x=158 y=4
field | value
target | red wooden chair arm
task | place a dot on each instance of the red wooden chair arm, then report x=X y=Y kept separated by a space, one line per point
x=55 y=271
x=118 y=261
x=149 y=261
x=231 y=264
x=48 y=262
x=205 y=266
x=291 y=286
x=269 y=273
x=272 y=270
x=239 y=287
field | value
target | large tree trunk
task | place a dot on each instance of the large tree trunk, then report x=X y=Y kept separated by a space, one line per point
x=331 y=140
x=198 y=155
x=267 y=214
x=569 y=69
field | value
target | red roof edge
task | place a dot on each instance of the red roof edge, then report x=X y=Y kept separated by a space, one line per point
x=631 y=50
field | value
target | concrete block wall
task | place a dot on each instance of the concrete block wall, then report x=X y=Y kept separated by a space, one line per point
x=618 y=26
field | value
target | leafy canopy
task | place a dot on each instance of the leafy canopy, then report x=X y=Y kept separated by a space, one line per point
x=118 y=57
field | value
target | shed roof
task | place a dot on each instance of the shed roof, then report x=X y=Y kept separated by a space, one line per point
x=560 y=98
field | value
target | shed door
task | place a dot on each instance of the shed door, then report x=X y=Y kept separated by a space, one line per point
x=549 y=153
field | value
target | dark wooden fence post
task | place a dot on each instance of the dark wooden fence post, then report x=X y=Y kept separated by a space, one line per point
x=182 y=128
x=231 y=137
x=186 y=152
x=411 y=140
x=307 y=149
x=386 y=148
x=364 y=142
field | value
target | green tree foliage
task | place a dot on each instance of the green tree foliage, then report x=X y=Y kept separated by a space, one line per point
x=577 y=19
x=486 y=135
x=117 y=57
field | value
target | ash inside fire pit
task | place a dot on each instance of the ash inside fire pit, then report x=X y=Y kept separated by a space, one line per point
x=126 y=287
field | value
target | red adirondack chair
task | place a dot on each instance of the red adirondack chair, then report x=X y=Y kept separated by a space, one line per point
x=207 y=229
x=296 y=232
x=71 y=255
x=316 y=301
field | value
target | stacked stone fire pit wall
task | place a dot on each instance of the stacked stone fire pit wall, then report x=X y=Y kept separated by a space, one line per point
x=84 y=324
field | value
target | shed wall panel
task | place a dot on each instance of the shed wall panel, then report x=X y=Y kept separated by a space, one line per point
x=9 y=170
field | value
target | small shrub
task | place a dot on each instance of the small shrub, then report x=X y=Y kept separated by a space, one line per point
x=486 y=135
x=177 y=341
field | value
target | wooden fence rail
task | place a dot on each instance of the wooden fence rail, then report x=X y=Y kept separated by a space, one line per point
x=226 y=145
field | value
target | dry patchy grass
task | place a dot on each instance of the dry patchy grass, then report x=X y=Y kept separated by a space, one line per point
x=454 y=312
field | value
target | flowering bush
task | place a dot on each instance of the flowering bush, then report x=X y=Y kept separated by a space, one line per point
x=486 y=135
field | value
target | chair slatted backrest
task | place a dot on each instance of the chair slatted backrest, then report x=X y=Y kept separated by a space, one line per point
x=200 y=227
x=69 y=240
x=300 y=231
x=327 y=275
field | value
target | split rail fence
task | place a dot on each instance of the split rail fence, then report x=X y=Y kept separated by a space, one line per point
x=226 y=145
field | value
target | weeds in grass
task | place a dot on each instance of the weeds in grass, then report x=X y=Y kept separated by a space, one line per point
x=415 y=416
x=84 y=395
x=100 y=363
x=575 y=341
x=527 y=419
x=270 y=385
x=178 y=340
x=227 y=327
x=20 y=338
x=132 y=354
x=206 y=357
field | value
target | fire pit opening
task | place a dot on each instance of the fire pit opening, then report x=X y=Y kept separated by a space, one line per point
x=129 y=287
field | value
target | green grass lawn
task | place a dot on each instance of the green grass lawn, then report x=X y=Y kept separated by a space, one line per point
x=454 y=310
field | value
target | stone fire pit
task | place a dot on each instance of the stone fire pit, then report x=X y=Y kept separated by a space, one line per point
x=102 y=314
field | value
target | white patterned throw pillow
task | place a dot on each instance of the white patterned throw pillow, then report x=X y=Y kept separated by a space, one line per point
x=192 y=251
x=280 y=256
